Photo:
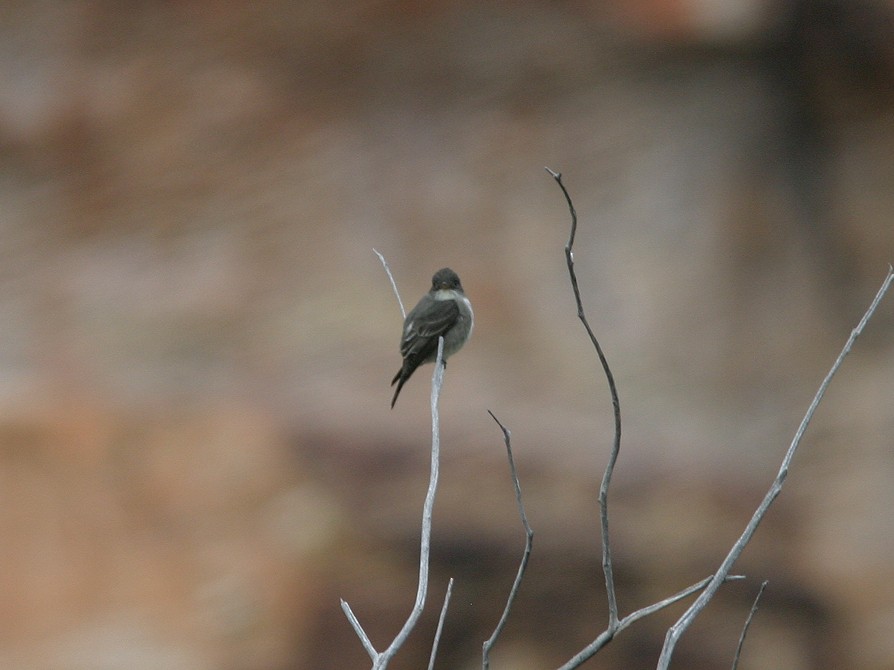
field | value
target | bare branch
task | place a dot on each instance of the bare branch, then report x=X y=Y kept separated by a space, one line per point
x=606 y=636
x=529 y=542
x=676 y=631
x=437 y=640
x=616 y=405
x=651 y=609
x=393 y=284
x=748 y=624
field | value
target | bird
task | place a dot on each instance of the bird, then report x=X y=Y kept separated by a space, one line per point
x=443 y=311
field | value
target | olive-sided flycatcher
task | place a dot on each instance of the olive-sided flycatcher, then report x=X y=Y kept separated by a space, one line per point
x=444 y=310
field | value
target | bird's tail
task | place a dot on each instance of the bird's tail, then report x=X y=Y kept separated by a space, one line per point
x=400 y=379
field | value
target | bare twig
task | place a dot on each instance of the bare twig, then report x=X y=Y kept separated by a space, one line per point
x=616 y=405
x=364 y=639
x=748 y=624
x=437 y=640
x=606 y=636
x=393 y=284
x=529 y=542
x=676 y=631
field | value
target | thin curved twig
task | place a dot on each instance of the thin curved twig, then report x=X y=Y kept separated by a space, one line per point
x=529 y=543
x=616 y=406
x=400 y=302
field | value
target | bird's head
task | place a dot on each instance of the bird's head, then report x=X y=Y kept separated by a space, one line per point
x=445 y=279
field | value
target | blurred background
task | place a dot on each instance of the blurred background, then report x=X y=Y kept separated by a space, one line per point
x=197 y=455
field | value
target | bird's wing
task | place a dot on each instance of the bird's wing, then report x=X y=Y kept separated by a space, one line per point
x=425 y=325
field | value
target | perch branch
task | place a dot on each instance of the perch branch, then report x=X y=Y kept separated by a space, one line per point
x=425 y=544
x=381 y=659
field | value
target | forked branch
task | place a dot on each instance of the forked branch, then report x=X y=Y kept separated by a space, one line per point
x=615 y=625
x=676 y=631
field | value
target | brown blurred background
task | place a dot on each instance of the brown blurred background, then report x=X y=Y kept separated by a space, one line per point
x=197 y=458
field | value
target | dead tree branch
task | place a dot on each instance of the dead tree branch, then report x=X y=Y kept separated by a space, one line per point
x=676 y=631
x=607 y=635
x=616 y=406
x=529 y=543
x=615 y=625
